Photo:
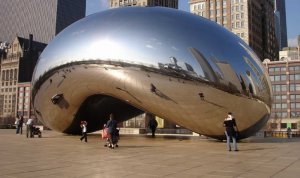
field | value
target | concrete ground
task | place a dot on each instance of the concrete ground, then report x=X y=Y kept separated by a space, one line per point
x=58 y=155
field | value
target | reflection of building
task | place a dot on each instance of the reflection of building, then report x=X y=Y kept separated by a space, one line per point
x=229 y=75
x=251 y=20
x=144 y=3
x=44 y=19
x=206 y=67
x=252 y=85
x=285 y=80
x=179 y=67
x=17 y=65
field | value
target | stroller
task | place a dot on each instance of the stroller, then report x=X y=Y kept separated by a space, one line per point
x=107 y=136
x=36 y=131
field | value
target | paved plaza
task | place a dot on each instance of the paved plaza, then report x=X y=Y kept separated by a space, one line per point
x=58 y=155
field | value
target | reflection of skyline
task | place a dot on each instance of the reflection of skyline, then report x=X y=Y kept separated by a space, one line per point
x=180 y=67
x=208 y=71
x=229 y=75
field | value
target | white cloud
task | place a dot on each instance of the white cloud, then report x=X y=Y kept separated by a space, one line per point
x=293 y=42
x=149 y=46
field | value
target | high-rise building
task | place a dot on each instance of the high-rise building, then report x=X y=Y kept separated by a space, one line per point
x=251 y=20
x=43 y=19
x=285 y=78
x=125 y=3
x=280 y=25
x=17 y=65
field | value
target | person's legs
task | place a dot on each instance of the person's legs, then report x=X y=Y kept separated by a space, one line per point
x=228 y=141
x=27 y=131
x=85 y=137
x=234 y=143
x=82 y=136
x=113 y=139
x=18 y=129
x=21 y=129
x=153 y=132
x=31 y=130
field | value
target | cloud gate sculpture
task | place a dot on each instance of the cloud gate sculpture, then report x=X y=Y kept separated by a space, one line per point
x=173 y=64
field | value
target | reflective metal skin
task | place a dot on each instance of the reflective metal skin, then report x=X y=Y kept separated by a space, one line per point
x=173 y=64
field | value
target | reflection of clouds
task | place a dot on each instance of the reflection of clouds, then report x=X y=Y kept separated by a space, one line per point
x=149 y=46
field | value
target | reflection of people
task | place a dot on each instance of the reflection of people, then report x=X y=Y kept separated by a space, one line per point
x=201 y=96
x=152 y=125
x=83 y=126
x=153 y=88
x=289 y=132
x=29 y=127
x=112 y=130
x=230 y=131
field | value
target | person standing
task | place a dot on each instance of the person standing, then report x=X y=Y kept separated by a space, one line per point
x=152 y=125
x=17 y=123
x=289 y=133
x=231 y=131
x=112 y=130
x=29 y=127
x=83 y=126
x=20 y=126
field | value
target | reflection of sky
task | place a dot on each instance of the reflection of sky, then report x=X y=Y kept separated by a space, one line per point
x=146 y=36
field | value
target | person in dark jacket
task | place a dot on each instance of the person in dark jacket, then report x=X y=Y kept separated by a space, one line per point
x=152 y=125
x=231 y=131
x=20 y=126
x=112 y=130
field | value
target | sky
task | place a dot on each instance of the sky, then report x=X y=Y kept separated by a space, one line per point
x=292 y=15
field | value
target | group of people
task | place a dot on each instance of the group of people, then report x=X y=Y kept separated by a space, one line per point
x=112 y=131
x=29 y=126
x=111 y=127
x=229 y=123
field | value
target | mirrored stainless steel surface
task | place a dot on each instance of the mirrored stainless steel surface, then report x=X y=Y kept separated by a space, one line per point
x=176 y=65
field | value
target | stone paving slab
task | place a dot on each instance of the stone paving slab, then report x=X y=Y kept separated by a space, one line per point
x=57 y=155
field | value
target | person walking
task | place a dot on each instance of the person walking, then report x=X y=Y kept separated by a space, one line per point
x=83 y=126
x=230 y=131
x=152 y=125
x=29 y=127
x=112 y=130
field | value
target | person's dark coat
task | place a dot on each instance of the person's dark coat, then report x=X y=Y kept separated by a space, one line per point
x=153 y=123
x=112 y=126
x=230 y=124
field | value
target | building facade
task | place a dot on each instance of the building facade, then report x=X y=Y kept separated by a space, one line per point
x=144 y=3
x=43 y=19
x=280 y=25
x=285 y=81
x=24 y=105
x=290 y=53
x=251 y=20
x=17 y=65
